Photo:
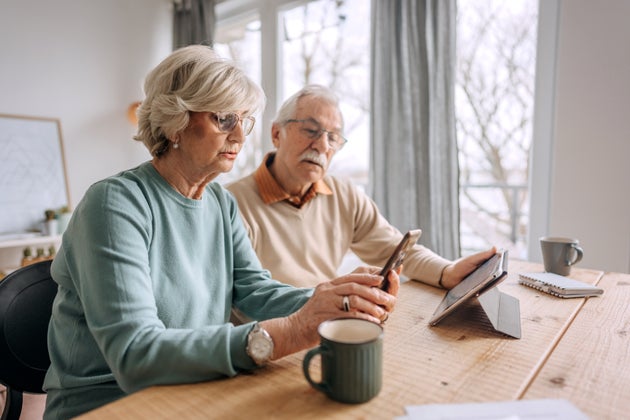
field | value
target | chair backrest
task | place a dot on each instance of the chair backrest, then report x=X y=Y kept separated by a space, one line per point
x=26 y=297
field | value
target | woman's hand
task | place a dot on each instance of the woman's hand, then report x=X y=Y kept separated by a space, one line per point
x=366 y=301
x=455 y=272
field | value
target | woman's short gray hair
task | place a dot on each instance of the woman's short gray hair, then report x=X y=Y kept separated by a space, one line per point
x=196 y=79
x=288 y=109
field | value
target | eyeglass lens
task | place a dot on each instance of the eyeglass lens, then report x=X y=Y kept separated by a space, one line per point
x=314 y=131
x=227 y=122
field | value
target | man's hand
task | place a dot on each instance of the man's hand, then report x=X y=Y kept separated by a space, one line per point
x=455 y=272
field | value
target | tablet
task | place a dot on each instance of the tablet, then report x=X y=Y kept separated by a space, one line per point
x=486 y=276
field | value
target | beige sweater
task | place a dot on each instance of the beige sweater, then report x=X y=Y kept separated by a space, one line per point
x=305 y=246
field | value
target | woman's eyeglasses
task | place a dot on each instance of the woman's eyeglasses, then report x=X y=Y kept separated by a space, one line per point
x=313 y=131
x=226 y=122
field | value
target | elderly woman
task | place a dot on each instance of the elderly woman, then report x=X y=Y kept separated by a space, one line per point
x=156 y=256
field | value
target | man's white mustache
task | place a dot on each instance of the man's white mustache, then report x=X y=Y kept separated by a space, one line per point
x=313 y=156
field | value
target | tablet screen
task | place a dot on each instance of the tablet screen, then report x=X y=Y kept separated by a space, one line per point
x=484 y=277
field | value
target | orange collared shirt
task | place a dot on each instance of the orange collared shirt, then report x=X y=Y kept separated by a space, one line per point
x=272 y=192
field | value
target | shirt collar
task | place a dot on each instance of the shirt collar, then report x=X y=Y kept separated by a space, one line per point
x=271 y=192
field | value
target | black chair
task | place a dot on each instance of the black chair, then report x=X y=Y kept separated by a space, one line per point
x=26 y=297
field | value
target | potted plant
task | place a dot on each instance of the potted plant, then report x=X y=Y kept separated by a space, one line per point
x=50 y=222
x=63 y=217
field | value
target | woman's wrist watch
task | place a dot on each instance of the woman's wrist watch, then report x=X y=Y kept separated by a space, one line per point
x=259 y=345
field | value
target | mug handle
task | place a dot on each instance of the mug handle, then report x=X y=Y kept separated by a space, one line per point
x=579 y=253
x=320 y=386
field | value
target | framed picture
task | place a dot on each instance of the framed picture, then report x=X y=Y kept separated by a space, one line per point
x=32 y=173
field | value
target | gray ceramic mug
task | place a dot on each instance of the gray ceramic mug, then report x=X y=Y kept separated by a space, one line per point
x=351 y=353
x=559 y=254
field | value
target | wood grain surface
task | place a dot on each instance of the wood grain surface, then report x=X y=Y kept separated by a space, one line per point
x=570 y=348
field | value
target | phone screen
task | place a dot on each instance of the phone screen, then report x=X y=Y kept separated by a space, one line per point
x=398 y=256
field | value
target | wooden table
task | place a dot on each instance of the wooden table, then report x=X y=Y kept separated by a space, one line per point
x=576 y=349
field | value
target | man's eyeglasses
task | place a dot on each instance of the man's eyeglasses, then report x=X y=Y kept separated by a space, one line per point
x=226 y=122
x=313 y=131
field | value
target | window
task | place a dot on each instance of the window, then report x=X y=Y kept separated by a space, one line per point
x=496 y=52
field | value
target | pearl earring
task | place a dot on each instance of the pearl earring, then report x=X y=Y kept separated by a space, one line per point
x=175 y=145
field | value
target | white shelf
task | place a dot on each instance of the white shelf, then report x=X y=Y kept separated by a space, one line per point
x=12 y=248
x=28 y=240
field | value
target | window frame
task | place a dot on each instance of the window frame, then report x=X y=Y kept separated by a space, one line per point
x=541 y=152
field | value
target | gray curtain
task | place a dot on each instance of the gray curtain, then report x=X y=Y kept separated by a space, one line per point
x=414 y=176
x=193 y=22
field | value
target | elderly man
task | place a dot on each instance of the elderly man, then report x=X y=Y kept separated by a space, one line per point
x=302 y=222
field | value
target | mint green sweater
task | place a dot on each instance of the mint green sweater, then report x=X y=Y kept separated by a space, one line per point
x=147 y=279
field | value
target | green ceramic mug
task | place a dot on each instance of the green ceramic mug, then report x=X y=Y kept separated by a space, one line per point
x=351 y=353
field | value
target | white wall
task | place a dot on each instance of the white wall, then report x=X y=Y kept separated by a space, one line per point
x=82 y=61
x=590 y=179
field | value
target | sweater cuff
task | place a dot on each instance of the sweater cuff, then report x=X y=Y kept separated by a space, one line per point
x=238 y=347
x=431 y=272
x=440 y=284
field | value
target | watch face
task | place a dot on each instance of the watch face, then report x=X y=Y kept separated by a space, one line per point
x=259 y=345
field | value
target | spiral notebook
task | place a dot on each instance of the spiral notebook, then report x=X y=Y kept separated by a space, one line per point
x=557 y=285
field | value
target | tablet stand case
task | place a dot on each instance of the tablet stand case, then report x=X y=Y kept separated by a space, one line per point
x=502 y=310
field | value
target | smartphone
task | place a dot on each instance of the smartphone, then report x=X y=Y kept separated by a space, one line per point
x=397 y=257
